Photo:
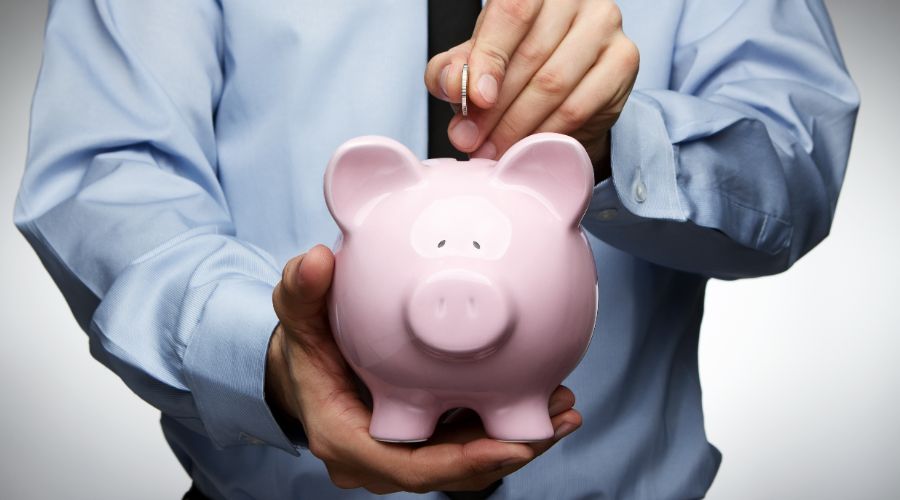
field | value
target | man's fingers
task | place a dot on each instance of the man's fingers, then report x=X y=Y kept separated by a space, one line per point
x=548 y=30
x=449 y=463
x=347 y=478
x=443 y=75
x=601 y=90
x=563 y=425
x=500 y=30
x=304 y=286
x=386 y=467
x=428 y=467
x=463 y=467
x=561 y=400
x=548 y=88
x=382 y=488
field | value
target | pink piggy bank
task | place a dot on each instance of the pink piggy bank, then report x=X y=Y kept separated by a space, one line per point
x=462 y=284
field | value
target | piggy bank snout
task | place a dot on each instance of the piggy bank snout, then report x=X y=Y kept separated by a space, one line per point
x=459 y=315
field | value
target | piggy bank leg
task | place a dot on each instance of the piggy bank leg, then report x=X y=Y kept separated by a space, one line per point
x=524 y=420
x=401 y=420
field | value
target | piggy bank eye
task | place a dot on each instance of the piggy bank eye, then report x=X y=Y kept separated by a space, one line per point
x=476 y=245
x=442 y=243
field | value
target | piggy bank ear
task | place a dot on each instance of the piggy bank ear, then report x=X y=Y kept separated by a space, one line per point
x=555 y=167
x=363 y=169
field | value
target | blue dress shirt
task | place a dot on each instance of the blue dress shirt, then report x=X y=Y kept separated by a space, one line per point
x=175 y=164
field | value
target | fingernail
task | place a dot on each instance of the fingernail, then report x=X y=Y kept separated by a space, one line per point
x=464 y=134
x=558 y=407
x=487 y=87
x=443 y=81
x=487 y=150
x=300 y=266
x=564 y=430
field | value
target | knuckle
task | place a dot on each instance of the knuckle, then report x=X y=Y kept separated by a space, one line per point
x=475 y=467
x=630 y=55
x=531 y=53
x=505 y=132
x=412 y=486
x=338 y=477
x=344 y=481
x=316 y=450
x=610 y=13
x=456 y=50
x=614 y=113
x=572 y=116
x=518 y=12
x=549 y=82
x=412 y=482
x=319 y=449
x=496 y=56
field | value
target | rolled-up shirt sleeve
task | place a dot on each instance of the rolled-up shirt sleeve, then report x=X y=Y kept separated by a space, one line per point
x=121 y=201
x=734 y=171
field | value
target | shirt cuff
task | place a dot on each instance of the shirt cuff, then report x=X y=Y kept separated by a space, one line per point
x=225 y=366
x=643 y=182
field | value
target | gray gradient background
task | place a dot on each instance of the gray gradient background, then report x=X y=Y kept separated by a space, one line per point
x=800 y=371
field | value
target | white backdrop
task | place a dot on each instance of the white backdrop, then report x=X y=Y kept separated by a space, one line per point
x=800 y=372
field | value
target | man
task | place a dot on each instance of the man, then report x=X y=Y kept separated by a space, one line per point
x=175 y=168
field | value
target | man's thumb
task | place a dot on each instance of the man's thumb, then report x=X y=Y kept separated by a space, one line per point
x=301 y=294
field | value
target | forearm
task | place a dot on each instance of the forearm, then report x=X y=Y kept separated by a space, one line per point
x=121 y=201
x=737 y=170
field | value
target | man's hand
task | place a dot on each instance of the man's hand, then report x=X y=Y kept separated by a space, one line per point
x=539 y=66
x=308 y=378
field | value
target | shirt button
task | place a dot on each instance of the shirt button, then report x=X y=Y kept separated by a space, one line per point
x=640 y=191
x=608 y=214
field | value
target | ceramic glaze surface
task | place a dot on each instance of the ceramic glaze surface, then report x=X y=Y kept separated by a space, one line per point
x=461 y=284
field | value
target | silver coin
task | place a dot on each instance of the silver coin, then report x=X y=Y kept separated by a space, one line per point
x=465 y=84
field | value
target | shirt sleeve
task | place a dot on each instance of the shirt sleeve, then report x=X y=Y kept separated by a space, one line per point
x=121 y=201
x=735 y=170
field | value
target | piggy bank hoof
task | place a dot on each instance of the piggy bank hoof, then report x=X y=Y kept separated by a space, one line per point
x=524 y=423
x=396 y=422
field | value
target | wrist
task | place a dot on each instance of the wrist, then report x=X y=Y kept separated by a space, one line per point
x=277 y=383
x=278 y=389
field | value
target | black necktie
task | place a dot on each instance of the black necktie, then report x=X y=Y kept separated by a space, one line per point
x=450 y=23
